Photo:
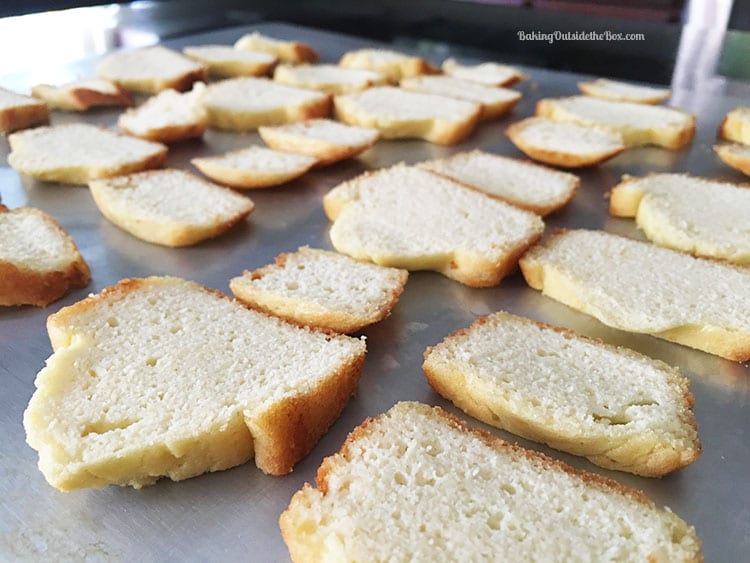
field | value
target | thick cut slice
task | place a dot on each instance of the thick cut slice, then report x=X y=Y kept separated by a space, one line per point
x=322 y=289
x=161 y=377
x=77 y=153
x=623 y=91
x=287 y=51
x=169 y=207
x=417 y=484
x=641 y=287
x=393 y=64
x=736 y=126
x=331 y=79
x=564 y=144
x=83 y=94
x=639 y=124
x=736 y=156
x=244 y=104
x=324 y=139
x=398 y=113
x=523 y=184
x=20 y=112
x=490 y=74
x=223 y=60
x=39 y=262
x=618 y=408
x=254 y=167
x=410 y=218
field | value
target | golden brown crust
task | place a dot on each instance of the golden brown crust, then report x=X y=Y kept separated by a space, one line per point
x=589 y=88
x=80 y=98
x=231 y=120
x=728 y=157
x=170 y=133
x=245 y=179
x=23 y=116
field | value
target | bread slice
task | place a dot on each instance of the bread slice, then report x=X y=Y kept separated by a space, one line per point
x=244 y=104
x=151 y=69
x=417 y=484
x=326 y=140
x=736 y=126
x=254 y=167
x=638 y=124
x=287 y=51
x=736 y=156
x=563 y=143
x=489 y=74
x=168 y=117
x=523 y=184
x=83 y=94
x=618 y=408
x=398 y=113
x=330 y=79
x=495 y=102
x=161 y=377
x=77 y=152
x=640 y=287
x=696 y=215
x=393 y=64
x=322 y=289
x=624 y=92
x=169 y=207
x=20 y=112
x=409 y=218
x=39 y=262
x=223 y=60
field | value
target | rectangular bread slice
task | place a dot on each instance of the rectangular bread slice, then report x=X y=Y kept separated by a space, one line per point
x=293 y=52
x=223 y=60
x=331 y=79
x=20 y=112
x=618 y=408
x=417 y=484
x=82 y=94
x=623 y=91
x=393 y=64
x=489 y=74
x=640 y=287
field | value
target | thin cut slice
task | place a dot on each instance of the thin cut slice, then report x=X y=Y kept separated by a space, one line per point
x=169 y=207
x=393 y=64
x=83 y=94
x=495 y=101
x=639 y=124
x=324 y=139
x=618 y=408
x=696 y=215
x=254 y=167
x=736 y=156
x=20 y=112
x=161 y=377
x=322 y=289
x=417 y=484
x=565 y=144
x=409 y=218
x=331 y=79
x=623 y=91
x=641 y=287
x=287 y=51
x=223 y=60
x=151 y=70
x=244 y=104
x=168 y=117
x=490 y=74
x=39 y=262
x=77 y=152
x=523 y=184
x=398 y=114
x=736 y=126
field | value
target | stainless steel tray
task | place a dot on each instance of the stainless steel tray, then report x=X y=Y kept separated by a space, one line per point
x=233 y=515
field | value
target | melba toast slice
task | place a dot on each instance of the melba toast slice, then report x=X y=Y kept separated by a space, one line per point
x=331 y=79
x=83 y=94
x=20 y=112
x=294 y=52
x=393 y=64
x=489 y=74
x=617 y=91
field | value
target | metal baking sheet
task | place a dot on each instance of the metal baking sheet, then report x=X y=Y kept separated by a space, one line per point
x=232 y=515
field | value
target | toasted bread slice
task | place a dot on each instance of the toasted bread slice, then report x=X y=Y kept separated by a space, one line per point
x=417 y=484
x=495 y=101
x=398 y=113
x=409 y=218
x=20 y=112
x=736 y=156
x=151 y=70
x=736 y=126
x=161 y=377
x=322 y=289
x=244 y=104
x=324 y=139
x=563 y=143
x=489 y=74
x=696 y=215
x=169 y=207
x=287 y=51
x=330 y=79
x=223 y=60
x=393 y=64
x=83 y=94
x=39 y=262
x=77 y=152
x=618 y=408
x=254 y=167
x=523 y=184
x=617 y=91
x=639 y=124
x=641 y=287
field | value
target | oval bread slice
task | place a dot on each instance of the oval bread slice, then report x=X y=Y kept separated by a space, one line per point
x=293 y=52
x=81 y=95
x=736 y=126
x=624 y=92
x=489 y=74
x=20 y=112
x=736 y=156
x=393 y=64
x=331 y=79
x=223 y=60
